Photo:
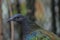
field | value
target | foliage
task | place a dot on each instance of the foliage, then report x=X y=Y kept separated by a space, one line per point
x=23 y=9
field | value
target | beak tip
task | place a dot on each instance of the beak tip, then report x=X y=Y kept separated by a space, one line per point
x=8 y=20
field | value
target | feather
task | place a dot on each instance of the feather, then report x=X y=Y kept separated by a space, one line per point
x=31 y=31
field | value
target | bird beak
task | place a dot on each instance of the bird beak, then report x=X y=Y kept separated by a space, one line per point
x=10 y=19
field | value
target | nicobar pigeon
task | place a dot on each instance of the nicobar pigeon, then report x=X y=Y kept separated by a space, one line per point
x=31 y=31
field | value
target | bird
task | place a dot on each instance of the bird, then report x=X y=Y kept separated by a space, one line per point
x=30 y=30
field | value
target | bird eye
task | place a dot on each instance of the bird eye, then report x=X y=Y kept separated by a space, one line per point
x=17 y=17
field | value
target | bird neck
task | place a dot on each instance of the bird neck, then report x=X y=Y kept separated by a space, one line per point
x=26 y=27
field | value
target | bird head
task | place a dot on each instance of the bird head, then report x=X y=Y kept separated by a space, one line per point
x=17 y=18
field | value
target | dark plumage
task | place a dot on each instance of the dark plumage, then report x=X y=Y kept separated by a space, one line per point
x=30 y=30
